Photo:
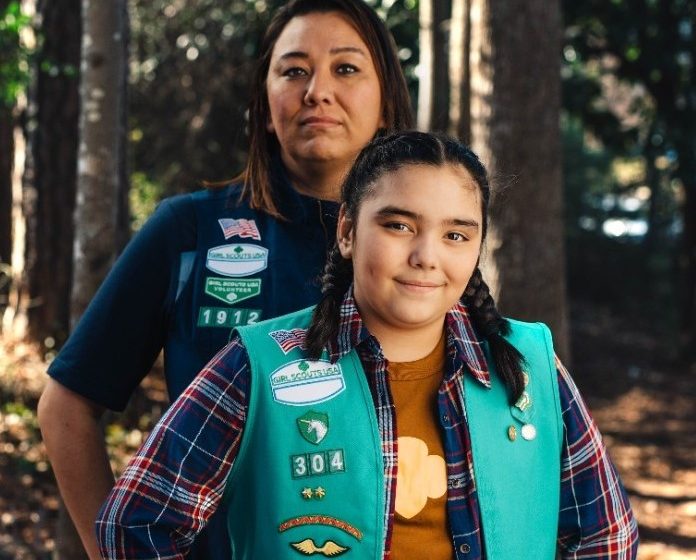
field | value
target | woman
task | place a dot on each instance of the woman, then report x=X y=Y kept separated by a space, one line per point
x=401 y=418
x=328 y=80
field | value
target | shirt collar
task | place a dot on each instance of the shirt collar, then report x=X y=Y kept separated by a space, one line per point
x=462 y=342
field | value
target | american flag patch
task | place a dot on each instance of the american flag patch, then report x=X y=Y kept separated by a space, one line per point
x=287 y=340
x=240 y=228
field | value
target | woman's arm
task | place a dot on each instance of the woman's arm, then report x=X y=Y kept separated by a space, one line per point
x=75 y=442
x=596 y=520
x=177 y=478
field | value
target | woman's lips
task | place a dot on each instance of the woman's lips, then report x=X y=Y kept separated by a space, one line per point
x=319 y=122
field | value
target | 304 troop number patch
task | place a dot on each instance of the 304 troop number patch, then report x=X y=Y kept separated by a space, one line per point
x=226 y=317
x=319 y=463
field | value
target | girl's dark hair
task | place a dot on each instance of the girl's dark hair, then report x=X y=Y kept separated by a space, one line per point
x=258 y=188
x=388 y=154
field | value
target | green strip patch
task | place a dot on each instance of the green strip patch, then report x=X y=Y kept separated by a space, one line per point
x=232 y=290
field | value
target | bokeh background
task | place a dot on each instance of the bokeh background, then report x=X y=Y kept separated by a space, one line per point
x=585 y=112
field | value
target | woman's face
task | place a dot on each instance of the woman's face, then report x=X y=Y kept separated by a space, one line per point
x=323 y=92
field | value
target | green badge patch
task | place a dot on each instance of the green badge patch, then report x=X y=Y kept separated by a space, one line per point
x=232 y=290
x=226 y=317
x=316 y=464
x=313 y=426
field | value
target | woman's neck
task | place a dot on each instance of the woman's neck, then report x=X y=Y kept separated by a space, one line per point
x=317 y=180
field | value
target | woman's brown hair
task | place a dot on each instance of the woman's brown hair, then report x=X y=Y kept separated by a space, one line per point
x=258 y=187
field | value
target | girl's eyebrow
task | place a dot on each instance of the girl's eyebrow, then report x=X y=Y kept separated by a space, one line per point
x=336 y=50
x=396 y=211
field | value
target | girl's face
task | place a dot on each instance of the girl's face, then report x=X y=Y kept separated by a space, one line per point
x=324 y=94
x=414 y=246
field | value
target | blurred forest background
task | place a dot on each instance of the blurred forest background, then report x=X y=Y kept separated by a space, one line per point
x=584 y=111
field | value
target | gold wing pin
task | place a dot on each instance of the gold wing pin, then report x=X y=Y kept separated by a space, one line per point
x=329 y=548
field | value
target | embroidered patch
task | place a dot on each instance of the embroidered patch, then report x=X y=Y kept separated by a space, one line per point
x=237 y=260
x=226 y=317
x=313 y=426
x=307 y=382
x=240 y=228
x=317 y=464
x=288 y=340
x=232 y=291
x=321 y=520
x=328 y=549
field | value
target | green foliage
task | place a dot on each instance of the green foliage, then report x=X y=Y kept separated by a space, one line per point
x=629 y=86
x=14 y=58
x=190 y=70
x=143 y=197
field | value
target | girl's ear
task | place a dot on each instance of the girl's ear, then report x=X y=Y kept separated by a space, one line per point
x=344 y=233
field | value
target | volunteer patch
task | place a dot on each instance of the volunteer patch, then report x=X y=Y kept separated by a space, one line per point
x=240 y=228
x=226 y=317
x=288 y=340
x=237 y=260
x=232 y=291
x=313 y=426
x=307 y=382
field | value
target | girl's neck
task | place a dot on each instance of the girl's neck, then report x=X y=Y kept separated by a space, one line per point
x=407 y=345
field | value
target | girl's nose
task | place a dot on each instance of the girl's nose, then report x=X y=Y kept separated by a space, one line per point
x=423 y=254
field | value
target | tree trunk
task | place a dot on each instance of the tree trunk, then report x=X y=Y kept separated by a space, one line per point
x=49 y=178
x=433 y=83
x=6 y=165
x=460 y=43
x=515 y=104
x=101 y=214
x=687 y=266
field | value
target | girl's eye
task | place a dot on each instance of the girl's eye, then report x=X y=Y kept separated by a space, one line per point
x=456 y=236
x=347 y=69
x=397 y=226
x=294 y=72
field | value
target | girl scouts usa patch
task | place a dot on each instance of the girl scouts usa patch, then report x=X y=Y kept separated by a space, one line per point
x=307 y=382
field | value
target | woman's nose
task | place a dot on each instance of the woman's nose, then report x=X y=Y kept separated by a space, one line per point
x=320 y=88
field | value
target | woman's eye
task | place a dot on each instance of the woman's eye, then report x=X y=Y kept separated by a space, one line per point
x=347 y=69
x=294 y=72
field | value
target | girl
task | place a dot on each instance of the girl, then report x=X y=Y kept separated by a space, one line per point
x=402 y=417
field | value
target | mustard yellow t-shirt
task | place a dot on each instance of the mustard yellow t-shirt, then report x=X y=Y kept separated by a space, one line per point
x=421 y=531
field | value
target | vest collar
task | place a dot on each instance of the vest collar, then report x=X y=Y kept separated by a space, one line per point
x=462 y=343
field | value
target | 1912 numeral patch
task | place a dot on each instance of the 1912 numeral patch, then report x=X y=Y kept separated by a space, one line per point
x=316 y=464
x=227 y=317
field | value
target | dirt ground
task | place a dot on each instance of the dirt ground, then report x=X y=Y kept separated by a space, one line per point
x=644 y=405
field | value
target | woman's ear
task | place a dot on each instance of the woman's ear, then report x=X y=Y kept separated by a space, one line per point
x=344 y=233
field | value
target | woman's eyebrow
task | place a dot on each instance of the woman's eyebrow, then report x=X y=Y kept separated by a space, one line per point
x=335 y=50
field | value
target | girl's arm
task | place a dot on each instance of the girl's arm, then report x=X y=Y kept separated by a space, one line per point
x=177 y=478
x=596 y=520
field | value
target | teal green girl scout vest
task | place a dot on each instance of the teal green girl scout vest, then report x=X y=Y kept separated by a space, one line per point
x=309 y=475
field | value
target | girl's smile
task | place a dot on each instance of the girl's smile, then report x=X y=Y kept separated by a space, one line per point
x=414 y=246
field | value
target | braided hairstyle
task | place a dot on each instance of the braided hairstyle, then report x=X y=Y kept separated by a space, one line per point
x=384 y=155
